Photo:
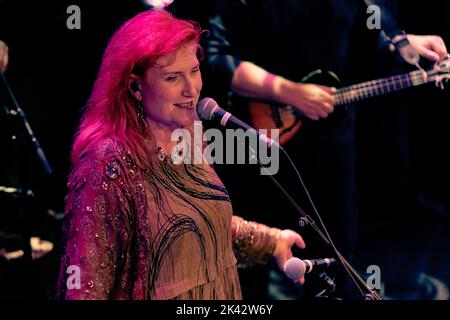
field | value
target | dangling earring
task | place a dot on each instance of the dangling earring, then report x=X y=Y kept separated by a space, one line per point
x=140 y=114
x=140 y=109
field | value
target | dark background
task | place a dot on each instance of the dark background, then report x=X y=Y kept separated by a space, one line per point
x=52 y=70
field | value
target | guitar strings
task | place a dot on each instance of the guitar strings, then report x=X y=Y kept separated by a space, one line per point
x=394 y=79
x=371 y=88
x=400 y=79
x=388 y=84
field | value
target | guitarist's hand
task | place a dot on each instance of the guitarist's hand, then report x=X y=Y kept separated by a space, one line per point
x=430 y=47
x=314 y=101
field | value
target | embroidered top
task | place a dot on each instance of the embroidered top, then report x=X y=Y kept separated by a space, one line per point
x=166 y=232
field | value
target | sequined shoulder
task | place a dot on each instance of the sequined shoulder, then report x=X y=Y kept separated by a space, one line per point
x=107 y=162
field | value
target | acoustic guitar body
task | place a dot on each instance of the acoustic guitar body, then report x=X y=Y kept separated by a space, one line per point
x=287 y=119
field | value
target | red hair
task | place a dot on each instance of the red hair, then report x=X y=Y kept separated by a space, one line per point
x=111 y=111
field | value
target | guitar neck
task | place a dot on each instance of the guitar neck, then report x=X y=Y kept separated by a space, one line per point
x=381 y=86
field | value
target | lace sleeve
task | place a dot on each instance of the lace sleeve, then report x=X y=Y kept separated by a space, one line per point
x=96 y=232
x=253 y=243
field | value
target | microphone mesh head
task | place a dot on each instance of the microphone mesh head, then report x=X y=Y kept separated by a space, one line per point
x=294 y=268
x=205 y=108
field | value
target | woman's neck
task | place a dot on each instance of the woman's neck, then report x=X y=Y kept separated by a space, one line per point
x=162 y=135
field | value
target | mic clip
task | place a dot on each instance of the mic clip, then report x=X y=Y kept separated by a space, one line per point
x=329 y=287
x=329 y=283
x=305 y=221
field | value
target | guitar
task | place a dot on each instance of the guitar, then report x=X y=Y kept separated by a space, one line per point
x=286 y=118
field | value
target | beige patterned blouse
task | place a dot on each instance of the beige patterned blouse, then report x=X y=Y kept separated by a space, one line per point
x=166 y=232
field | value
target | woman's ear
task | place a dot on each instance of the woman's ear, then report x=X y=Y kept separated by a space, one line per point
x=135 y=87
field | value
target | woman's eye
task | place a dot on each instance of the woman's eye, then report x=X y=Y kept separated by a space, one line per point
x=171 y=78
x=195 y=70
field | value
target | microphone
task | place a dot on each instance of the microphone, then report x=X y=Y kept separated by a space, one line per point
x=296 y=268
x=208 y=109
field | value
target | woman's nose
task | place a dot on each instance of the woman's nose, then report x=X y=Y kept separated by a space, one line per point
x=190 y=88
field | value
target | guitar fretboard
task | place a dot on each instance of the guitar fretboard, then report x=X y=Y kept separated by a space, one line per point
x=381 y=86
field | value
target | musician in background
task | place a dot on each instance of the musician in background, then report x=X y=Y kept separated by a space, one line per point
x=3 y=56
x=262 y=50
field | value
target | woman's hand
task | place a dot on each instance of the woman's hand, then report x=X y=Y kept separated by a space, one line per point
x=3 y=56
x=283 y=250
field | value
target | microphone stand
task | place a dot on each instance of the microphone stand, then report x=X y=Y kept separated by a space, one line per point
x=207 y=110
x=369 y=294
x=22 y=196
x=19 y=113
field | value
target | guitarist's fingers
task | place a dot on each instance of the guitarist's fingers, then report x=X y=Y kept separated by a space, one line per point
x=323 y=114
x=329 y=90
x=329 y=107
x=313 y=116
x=430 y=55
x=327 y=99
x=438 y=47
x=430 y=47
x=316 y=114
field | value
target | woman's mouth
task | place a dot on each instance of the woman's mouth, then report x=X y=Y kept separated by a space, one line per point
x=188 y=105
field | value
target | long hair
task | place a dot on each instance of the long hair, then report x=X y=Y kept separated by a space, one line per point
x=111 y=110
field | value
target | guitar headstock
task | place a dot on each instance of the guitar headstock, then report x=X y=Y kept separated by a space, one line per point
x=441 y=72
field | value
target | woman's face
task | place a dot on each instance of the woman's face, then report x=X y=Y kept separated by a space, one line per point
x=171 y=89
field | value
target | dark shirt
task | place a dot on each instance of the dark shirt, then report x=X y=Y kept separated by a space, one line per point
x=289 y=37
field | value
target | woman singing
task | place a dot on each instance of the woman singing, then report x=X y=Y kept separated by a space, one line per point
x=138 y=225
